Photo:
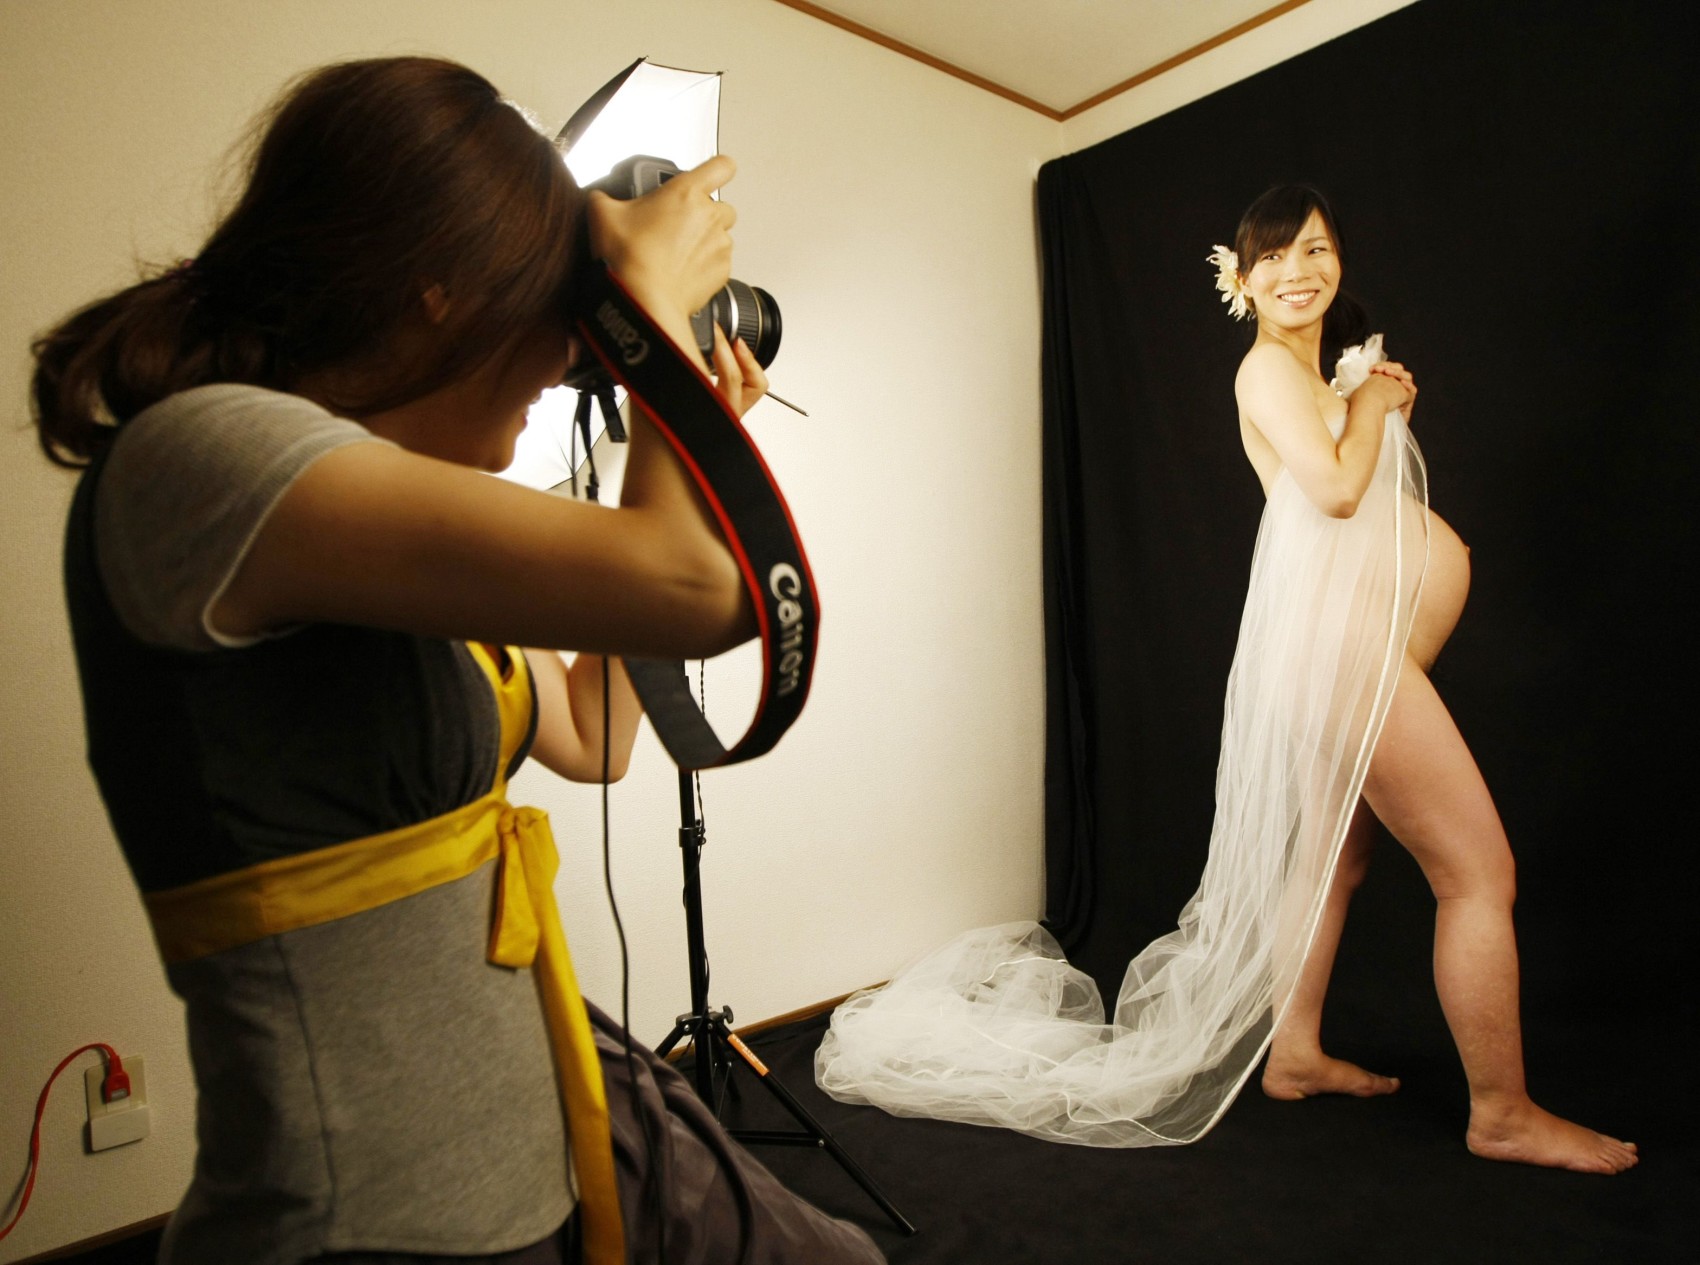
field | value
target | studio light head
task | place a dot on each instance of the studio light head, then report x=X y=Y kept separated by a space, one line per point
x=644 y=126
x=640 y=129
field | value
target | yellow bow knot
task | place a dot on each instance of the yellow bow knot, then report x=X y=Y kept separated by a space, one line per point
x=527 y=862
x=528 y=931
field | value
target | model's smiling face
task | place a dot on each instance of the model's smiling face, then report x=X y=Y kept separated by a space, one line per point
x=1293 y=285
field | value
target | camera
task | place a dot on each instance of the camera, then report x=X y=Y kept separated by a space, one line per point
x=741 y=310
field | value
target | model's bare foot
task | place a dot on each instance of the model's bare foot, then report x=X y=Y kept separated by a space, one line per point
x=1525 y=1134
x=1290 y=1077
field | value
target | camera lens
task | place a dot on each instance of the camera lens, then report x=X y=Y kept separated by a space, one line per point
x=748 y=312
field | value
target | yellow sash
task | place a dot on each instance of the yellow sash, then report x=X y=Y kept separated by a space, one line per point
x=292 y=892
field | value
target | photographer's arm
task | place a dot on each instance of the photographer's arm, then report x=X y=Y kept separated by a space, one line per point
x=569 y=715
x=381 y=536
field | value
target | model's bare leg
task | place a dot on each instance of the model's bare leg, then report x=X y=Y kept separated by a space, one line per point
x=1425 y=786
x=1297 y=1066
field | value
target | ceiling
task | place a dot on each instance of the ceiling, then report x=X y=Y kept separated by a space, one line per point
x=1058 y=57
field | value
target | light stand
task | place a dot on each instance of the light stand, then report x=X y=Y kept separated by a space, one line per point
x=715 y=1046
x=599 y=387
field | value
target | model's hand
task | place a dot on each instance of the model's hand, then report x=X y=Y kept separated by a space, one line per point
x=672 y=248
x=740 y=378
x=1405 y=386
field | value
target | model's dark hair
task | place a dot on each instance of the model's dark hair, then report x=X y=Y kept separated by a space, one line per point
x=371 y=182
x=1271 y=223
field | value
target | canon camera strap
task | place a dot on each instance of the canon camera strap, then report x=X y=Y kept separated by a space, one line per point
x=677 y=396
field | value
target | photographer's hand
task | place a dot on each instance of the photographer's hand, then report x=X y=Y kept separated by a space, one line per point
x=740 y=378
x=671 y=248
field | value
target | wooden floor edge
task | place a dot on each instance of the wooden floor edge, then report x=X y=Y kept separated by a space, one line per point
x=779 y=1021
x=99 y=1240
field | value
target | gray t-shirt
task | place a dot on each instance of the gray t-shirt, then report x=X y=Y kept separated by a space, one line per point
x=186 y=491
x=373 y=1083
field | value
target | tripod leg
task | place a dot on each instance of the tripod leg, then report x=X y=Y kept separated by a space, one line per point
x=708 y=1063
x=681 y=1030
x=800 y=1113
x=712 y=1041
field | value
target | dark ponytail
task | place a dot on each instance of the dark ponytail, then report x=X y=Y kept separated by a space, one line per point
x=372 y=182
x=110 y=360
x=1274 y=221
x=1345 y=324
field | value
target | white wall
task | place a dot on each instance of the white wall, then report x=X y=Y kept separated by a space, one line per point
x=888 y=208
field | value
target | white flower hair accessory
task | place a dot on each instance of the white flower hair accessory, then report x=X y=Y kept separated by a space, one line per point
x=1229 y=283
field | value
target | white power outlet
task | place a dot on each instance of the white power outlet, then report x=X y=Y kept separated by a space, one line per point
x=126 y=1120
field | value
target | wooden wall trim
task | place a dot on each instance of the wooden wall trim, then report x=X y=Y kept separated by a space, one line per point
x=1009 y=94
x=778 y=1021
x=1162 y=67
x=99 y=1240
x=926 y=59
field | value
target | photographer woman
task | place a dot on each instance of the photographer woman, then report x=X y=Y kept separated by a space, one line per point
x=297 y=606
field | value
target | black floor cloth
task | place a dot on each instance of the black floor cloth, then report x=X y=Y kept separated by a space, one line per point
x=1331 y=1181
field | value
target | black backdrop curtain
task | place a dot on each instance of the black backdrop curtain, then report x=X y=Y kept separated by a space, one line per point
x=1516 y=185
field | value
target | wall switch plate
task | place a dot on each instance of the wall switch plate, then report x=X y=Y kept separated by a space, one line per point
x=115 y=1123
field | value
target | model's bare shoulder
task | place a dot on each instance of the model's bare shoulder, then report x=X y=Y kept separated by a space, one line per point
x=1269 y=364
x=1270 y=379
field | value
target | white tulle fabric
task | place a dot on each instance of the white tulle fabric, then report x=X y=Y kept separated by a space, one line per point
x=996 y=1028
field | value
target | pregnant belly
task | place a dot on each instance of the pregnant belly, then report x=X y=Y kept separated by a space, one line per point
x=1445 y=586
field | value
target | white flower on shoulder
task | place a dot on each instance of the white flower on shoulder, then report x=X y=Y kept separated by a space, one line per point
x=1229 y=283
x=1351 y=371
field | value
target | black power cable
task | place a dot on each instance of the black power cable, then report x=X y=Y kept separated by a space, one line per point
x=649 y=1141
